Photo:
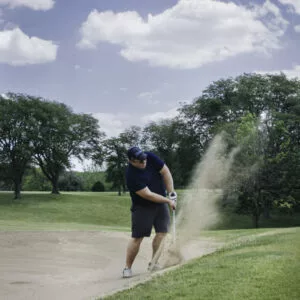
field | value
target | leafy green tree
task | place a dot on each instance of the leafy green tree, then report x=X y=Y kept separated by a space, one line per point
x=61 y=135
x=116 y=160
x=16 y=133
x=161 y=138
x=132 y=136
x=274 y=101
x=246 y=171
x=168 y=140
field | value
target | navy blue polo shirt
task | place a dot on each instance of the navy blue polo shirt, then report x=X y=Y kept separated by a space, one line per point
x=138 y=179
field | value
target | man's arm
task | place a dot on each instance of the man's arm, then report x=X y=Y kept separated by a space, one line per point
x=145 y=193
x=167 y=178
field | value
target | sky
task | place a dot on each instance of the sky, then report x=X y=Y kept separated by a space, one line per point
x=131 y=62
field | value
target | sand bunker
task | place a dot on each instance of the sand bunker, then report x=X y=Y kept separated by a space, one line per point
x=73 y=265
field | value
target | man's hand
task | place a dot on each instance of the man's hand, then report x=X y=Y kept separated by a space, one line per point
x=172 y=204
x=173 y=196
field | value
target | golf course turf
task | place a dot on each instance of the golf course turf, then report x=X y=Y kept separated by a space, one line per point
x=252 y=264
x=259 y=265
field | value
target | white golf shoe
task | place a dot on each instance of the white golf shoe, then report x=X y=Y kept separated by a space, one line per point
x=127 y=273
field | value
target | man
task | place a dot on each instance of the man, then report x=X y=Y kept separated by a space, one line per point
x=147 y=178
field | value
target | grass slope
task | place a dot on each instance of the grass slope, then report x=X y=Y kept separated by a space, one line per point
x=264 y=265
x=68 y=209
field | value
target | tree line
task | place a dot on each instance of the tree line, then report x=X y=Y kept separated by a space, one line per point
x=37 y=132
x=258 y=114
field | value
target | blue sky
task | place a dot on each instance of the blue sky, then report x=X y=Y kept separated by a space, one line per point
x=130 y=62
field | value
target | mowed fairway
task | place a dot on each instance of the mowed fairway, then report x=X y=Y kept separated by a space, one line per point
x=72 y=246
x=65 y=211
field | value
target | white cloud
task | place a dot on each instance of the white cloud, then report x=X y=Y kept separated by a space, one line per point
x=17 y=49
x=114 y=124
x=297 y=28
x=77 y=67
x=4 y=96
x=291 y=73
x=146 y=95
x=295 y=4
x=123 y=89
x=158 y=116
x=33 y=4
x=149 y=97
x=276 y=23
x=189 y=34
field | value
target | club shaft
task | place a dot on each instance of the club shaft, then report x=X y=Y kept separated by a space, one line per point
x=174 y=226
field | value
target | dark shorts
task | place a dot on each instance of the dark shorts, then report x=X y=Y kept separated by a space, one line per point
x=143 y=218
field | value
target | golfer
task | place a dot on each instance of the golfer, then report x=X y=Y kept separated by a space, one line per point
x=148 y=178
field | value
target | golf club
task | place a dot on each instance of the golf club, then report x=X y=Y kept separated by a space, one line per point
x=174 y=226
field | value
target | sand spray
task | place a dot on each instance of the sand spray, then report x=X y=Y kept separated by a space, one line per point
x=198 y=207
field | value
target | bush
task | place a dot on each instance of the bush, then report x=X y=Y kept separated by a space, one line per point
x=98 y=186
x=285 y=205
x=69 y=181
x=35 y=180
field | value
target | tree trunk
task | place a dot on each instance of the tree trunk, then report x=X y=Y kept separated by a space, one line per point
x=255 y=221
x=256 y=212
x=17 y=189
x=267 y=212
x=55 y=189
x=266 y=204
x=124 y=188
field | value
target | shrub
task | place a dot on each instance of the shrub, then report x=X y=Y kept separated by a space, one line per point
x=98 y=186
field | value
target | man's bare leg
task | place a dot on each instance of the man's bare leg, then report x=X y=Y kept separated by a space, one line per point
x=157 y=246
x=132 y=250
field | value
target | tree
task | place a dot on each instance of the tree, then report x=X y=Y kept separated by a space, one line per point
x=44 y=133
x=132 y=136
x=272 y=100
x=115 y=150
x=245 y=174
x=60 y=135
x=16 y=133
x=168 y=140
x=116 y=160
x=161 y=138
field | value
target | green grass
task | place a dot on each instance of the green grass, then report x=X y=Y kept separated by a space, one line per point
x=254 y=264
x=234 y=221
x=67 y=210
x=263 y=264
x=71 y=210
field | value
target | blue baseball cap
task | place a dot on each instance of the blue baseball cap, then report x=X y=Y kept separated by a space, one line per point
x=136 y=153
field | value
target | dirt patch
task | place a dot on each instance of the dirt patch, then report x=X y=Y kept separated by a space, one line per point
x=73 y=265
